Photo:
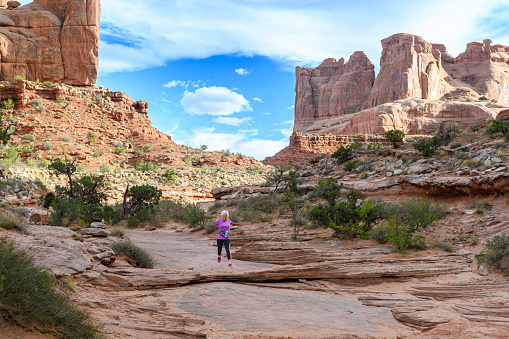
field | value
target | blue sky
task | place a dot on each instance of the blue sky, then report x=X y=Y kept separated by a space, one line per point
x=221 y=72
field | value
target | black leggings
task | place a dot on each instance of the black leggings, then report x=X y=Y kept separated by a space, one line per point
x=226 y=243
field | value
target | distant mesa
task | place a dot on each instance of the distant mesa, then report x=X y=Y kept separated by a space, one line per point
x=411 y=69
x=49 y=40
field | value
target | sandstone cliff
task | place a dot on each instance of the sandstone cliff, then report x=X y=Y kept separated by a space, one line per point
x=55 y=41
x=410 y=68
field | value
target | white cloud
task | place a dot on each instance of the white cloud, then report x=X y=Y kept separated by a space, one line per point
x=291 y=107
x=251 y=132
x=265 y=113
x=214 y=101
x=258 y=100
x=241 y=71
x=156 y=31
x=232 y=121
x=181 y=83
x=235 y=142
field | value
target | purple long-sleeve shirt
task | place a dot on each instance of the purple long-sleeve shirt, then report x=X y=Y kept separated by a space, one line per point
x=223 y=226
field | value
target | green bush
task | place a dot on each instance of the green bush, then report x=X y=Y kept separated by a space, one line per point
x=342 y=154
x=499 y=125
x=28 y=298
x=394 y=137
x=351 y=165
x=143 y=166
x=9 y=104
x=137 y=255
x=427 y=146
x=408 y=218
x=170 y=176
x=380 y=233
x=495 y=254
x=480 y=205
x=347 y=214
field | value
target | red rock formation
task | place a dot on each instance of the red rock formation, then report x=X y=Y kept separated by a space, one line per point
x=409 y=68
x=333 y=88
x=55 y=41
x=484 y=69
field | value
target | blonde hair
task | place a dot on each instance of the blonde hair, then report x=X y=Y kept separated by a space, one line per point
x=225 y=212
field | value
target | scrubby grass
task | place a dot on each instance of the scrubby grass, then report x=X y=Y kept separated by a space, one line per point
x=138 y=256
x=13 y=220
x=480 y=206
x=495 y=254
x=28 y=298
x=443 y=245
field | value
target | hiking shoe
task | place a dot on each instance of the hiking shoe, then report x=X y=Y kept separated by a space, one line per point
x=230 y=265
x=218 y=258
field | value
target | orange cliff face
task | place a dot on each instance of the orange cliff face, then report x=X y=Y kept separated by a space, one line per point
x=47 y=40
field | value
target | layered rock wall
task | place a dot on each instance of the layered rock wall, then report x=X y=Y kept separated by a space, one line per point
x=335 y=98
x=409 y=68
x=47 y=40
x=333 y=88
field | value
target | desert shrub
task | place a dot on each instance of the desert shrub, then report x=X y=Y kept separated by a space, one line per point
x=295 y=205
x=118 y=232
x=65 y=138
x=283 y=178
x=408 y=218
x=456 y=145
x=394 y=137
x=443 y=245
x=13 y=220
x=380 y=233
x=499 y=125
x=495 y=254
x=427 y=146
x=141 y=206
x=119 y=150
x=347 y=214
x=9 y=104
x=66 y=210
x=143 y=166
x=351 y=165
x=480 y=205
x=91 y=137
x=28 y=298
x=137 y=255
x=342 y=153
x=195 y=216
x=170 y=176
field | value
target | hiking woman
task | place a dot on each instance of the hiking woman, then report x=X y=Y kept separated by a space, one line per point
x=223 y=236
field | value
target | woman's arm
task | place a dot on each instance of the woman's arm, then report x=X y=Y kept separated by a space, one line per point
x=235 y=224
x=214 y=224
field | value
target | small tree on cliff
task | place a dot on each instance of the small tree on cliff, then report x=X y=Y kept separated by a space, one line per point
x=395 y=137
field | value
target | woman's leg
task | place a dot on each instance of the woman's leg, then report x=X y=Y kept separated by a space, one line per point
x=227 y=248
x=219 y=247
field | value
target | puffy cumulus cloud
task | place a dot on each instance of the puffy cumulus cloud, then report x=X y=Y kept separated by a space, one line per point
x=214 y=101
x=236 y=142
x=138 y=35
x=232 y=121
x=241 y=71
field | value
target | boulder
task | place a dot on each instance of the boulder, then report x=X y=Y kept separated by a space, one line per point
x=95 y=232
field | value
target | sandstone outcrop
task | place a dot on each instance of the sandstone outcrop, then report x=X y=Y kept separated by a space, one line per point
x=331 y=100
x=333 y=88
x=55 y=41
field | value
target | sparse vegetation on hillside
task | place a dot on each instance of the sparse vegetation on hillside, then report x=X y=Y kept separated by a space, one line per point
x=394 y=137
x=136 y=255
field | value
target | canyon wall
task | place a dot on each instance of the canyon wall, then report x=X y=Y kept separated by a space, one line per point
x=330 y=98
x=48 y=40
